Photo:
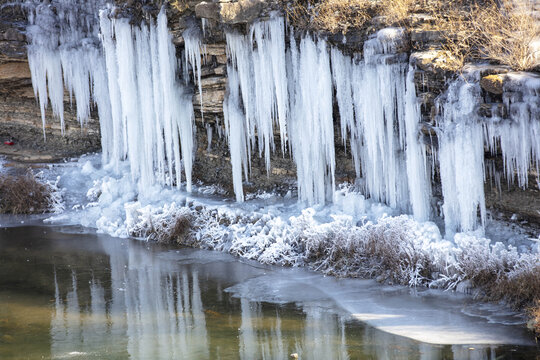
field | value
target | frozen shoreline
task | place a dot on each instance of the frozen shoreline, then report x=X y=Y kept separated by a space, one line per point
x=274 y=230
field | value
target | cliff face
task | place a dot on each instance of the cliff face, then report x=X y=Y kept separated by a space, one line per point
x=20 y=115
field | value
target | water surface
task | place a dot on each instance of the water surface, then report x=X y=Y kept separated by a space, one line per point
x=70 y=295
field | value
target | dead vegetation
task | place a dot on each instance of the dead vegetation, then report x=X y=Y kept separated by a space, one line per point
x=535 y=319
x=503 y=31
x=508 y=34
x=24 y=194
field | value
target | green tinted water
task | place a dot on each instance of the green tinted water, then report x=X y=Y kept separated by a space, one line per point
x=84 y=296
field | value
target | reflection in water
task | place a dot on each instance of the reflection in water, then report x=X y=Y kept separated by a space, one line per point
x=126 y=299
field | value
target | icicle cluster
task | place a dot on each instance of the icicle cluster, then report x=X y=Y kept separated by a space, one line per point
x=377 y=108
x=150 y=110
x=129 y=72
x=461 y=158
x=63 y=51
x=380 y=111
x=519 y=135
x=463 y=134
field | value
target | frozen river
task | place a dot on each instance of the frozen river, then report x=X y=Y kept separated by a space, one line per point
x=65 y=293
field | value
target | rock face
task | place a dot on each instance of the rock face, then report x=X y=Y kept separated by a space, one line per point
x=234 y=12
x=20 y=115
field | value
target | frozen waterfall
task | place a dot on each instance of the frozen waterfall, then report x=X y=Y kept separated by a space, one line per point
x=298 y=88
x=377 y=107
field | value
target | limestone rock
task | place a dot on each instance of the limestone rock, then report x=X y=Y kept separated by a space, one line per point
x=492 y=84
x=14 y=71
x=237 y=12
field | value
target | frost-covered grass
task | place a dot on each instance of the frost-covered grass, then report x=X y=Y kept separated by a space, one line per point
x=393 y=249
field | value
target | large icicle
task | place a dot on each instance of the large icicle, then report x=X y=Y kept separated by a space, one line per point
x=377 y=93
x=263 y=85
x=417 y=170
x=461 y=158
x=236 y=133
x=311 y=126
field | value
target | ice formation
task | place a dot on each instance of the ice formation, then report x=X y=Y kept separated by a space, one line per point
x=518 y=136
x=461 y=158
x=464 y=136
x=193 y=49
x=146 y=115
x=129 y=72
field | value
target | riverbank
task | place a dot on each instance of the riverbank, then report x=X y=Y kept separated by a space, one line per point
x=353 y=237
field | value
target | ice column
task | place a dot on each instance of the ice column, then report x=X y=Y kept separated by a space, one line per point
x=311 y=125
x=461 y=158
x=415 y=151
x=235 y=128
x=262 y=81
x=193 y=49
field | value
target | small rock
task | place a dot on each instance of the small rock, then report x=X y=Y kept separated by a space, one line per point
x=492 y=84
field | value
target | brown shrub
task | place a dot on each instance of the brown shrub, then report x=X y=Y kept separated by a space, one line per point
x=181 y=229
x=535 y=318
x=507 y=33
x=23 y=194
x=330 y=15
x=521 y=290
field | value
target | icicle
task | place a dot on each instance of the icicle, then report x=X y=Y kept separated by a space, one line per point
x=194 y=47
x=118 y=151
x=461 y=159
x=236 y=132
x=341 y=71
x=417 y=173
x=311 y=127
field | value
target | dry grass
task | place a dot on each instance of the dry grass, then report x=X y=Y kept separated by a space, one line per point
x=23 y=195
x=497 y=30
x=521 y=291
x=504 y=31
x=507 y=34
x=340 y=15
x=397 y=11
x=330 y=15
x=535 y=318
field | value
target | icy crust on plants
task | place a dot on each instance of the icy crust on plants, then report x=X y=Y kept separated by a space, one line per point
x=394 y=248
